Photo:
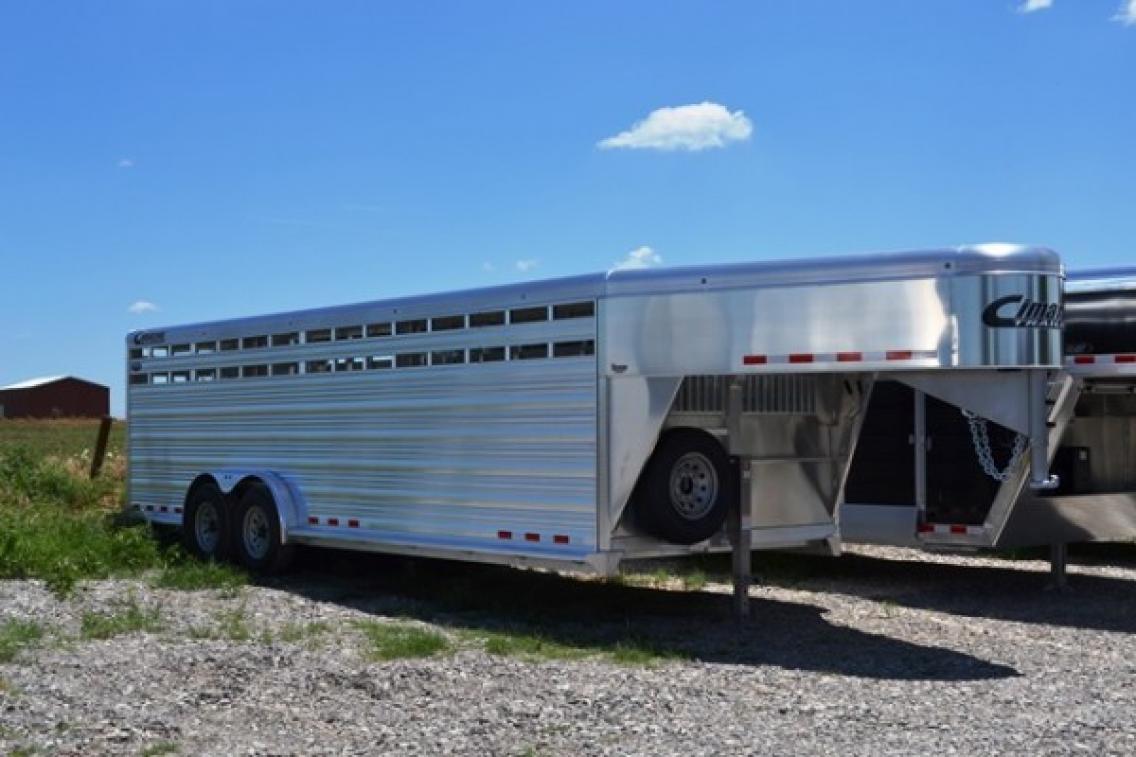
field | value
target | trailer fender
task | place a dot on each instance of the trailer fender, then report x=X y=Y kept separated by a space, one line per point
x=289 y=503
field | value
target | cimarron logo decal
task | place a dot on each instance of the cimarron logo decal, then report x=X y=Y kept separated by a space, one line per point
x=1016 y=311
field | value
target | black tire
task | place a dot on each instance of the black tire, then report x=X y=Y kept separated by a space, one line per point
x=256 y=533
x=686 y=488
x=204 y=526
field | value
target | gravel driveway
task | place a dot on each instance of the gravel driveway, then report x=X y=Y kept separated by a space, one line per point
x=880 y=651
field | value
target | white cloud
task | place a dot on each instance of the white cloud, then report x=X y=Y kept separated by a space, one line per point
x=685 y=127
x=524 y=266
x=1029 y=6
x=640 y=257
x=1127 y=13
x=126 y=162
x=488 y=267
x=142 y=306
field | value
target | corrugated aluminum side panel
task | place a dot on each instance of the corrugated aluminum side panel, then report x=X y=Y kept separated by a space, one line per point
x=442 y=456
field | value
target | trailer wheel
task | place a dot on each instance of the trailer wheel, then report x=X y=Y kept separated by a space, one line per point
x=204 y=529
x=256 y=533
x=686 y=488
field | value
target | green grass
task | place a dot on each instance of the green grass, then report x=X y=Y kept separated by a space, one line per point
x=184 y=574
x=392 y=641
x=536 y=646
x=58 y=526
x=696 y=580
x=532 y=646
x=16 y=636
x=230 y=625
x=129 y=618
x=160 y=748
x=63 y=438
x=304 y=633
x=63 y=548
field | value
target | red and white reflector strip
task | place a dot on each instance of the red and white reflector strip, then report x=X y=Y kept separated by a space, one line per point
x=951 y=529
x=805 y=358
x=1121 y=359
x=157 y=508
x=350 y=522
x=528 y=536
x=533 y=537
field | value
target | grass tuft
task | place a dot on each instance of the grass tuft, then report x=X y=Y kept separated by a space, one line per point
x=16 y=636
x=185 y=574
x=304 y=633
x=228 y=624
x=696 y=580
x=532 y=646
x=535 y=646
x=392 y=641
x=130 y=618
x=232 y=625
x=160 y=748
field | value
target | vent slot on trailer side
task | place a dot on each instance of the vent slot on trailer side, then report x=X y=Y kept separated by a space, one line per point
x=763 y=395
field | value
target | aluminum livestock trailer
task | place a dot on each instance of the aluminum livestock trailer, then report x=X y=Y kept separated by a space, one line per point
x=926 y=474
x=578 y=421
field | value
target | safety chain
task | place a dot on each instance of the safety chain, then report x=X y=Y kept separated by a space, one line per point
x=980 y=436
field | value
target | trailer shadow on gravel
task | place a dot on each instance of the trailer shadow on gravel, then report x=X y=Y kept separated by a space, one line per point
x=594 y=615
x=1012 y=592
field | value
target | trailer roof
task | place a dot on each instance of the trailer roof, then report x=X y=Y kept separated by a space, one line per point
x=1101 y=279
x=988 y=258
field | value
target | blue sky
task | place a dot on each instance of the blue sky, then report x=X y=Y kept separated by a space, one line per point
x=217 y=159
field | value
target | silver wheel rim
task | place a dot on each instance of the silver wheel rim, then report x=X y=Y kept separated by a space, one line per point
x=693 y=485
x=207 y=527
x=255 y=533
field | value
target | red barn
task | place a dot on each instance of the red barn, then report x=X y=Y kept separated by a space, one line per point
x=54 y=397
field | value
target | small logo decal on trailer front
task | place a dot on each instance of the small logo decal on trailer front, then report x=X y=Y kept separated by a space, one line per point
x=150 y=337
x=1016 y=311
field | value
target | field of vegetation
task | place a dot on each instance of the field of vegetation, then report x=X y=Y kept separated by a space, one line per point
x=59 y=525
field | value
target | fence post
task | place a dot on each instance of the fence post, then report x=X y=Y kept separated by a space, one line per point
x=101 y=445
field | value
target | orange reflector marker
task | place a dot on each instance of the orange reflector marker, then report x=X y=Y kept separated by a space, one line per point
x=504 y=534
x=313 y=520
x=958 y=529
x=560 y=539
x=333 y=521
x=849 y=357
x=900 y=354
x=926 y=528
x=1125 y=358
x=532 y=537
x=754 y=360
x=801 y=357
x=352 y=523
x=1084 y=359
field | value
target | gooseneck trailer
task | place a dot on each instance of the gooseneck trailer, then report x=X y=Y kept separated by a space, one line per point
x=972 y=471
x=579 y=421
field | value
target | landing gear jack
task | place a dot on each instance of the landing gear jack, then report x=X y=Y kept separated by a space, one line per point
x=742 y=556
x=737 y=521
x=1058 y=562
